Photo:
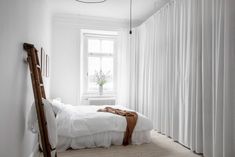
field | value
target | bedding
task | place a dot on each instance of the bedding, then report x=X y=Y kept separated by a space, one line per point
x=131 y=119
x=105 y=140
x=51 y=123
x=83 y=127
x=77 y=121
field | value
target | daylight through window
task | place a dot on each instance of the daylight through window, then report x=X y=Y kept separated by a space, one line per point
x=99 y=59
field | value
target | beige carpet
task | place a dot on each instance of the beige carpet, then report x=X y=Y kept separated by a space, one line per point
x=161 y=146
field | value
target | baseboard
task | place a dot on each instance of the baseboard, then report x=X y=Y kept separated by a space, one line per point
x=35 y=152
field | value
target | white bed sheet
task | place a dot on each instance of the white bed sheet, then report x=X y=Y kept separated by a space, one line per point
x=105 y=139
x=80 y=121
x=80 y=127
x=83 y=127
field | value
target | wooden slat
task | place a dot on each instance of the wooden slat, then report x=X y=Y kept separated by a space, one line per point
x=39 y=93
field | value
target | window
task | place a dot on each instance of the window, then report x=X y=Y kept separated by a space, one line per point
x=99 y=56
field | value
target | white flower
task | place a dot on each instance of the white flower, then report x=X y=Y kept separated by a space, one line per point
x=101 y=78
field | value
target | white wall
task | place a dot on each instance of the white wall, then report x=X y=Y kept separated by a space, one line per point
x=20 y=21
x=66 y=30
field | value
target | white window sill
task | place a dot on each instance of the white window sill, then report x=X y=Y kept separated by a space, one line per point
x=96 y=95
x=96 y=99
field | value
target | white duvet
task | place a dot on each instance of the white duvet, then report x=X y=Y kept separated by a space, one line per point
x=78 y=121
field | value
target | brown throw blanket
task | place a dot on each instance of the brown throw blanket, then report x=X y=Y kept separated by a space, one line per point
x=131 y=119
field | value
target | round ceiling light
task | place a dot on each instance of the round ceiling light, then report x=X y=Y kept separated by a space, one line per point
x=91 y=1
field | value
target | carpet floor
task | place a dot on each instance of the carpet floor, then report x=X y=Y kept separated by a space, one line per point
x=161 y=146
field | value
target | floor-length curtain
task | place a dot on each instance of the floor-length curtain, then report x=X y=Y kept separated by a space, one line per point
x=123 y=68
x=182 y=69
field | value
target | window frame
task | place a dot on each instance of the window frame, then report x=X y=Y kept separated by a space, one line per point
x=86 y=37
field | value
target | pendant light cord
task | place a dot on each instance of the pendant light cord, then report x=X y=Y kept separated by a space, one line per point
x=130 y=17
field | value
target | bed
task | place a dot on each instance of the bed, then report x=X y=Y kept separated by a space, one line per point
x=79 y=127
x=83 y=127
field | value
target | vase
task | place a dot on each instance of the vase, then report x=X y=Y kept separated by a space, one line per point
x=100 y=90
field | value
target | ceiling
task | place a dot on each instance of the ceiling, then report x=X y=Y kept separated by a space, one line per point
x=116 y=9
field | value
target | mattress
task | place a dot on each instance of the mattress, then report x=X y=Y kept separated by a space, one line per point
x=105 y=139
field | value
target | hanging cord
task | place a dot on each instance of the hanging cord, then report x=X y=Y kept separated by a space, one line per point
x=90 y=2
x=130 y=17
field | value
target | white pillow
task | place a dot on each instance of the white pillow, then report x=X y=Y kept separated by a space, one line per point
x=58 y=99
x=32 y=120
x=51 y=124
x=57 y=106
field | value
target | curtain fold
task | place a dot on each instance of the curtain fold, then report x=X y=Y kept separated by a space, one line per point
x=181 y=74
x=123 y=68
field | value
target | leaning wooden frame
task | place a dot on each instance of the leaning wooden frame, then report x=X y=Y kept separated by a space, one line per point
x=39 y=93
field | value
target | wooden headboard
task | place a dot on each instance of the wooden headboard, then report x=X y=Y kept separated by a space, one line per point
x=39 y=93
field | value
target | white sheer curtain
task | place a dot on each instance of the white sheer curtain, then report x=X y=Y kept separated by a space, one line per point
x=182 y=74
x=123 y=68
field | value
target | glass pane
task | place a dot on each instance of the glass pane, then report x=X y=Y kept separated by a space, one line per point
x=107 y=68
x=107 y=65
x=93 y=66
x=108 y=86
x=107 y=46
x=92 y=85
x=93 y=45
